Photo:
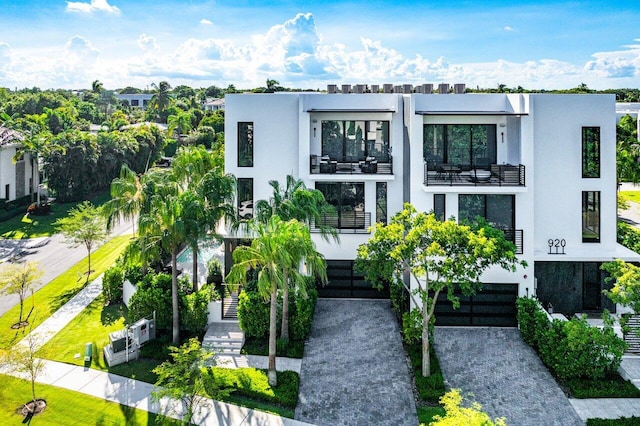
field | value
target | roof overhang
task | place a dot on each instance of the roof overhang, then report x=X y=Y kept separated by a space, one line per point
x=498 y=113
x=355 y=110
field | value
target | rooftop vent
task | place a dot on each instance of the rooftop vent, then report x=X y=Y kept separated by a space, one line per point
x=443 y=88
x=332 y=88
x=459 y=88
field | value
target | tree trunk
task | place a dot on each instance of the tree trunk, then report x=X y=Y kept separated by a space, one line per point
x=426 y=362
x=284 y=331
x=194 y=278
x=174 y=297
x=273 y=325
x=89 y=258
x=21 y=305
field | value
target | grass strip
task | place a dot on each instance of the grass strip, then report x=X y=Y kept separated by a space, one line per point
x=622 y=421
x=30 y=226
x=52 y=296
x=65 y=407
x=426 y=414
x=611 y=387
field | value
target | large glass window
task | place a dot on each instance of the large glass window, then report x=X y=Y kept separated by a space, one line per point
x=591 y=152
x=348 y=141
x=465 y=145
x=348 y=200
x=381 y=202
x=439 y=206
x=497 y=210
x=245 y=198
x=591 y=216
x=245 y=144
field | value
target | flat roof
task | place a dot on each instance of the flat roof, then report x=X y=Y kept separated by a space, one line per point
x=351 y=110
x=471 y=113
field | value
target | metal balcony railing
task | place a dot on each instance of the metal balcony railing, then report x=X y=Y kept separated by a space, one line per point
x=455 y=175
x=348 y=222
x=516 y=236
x=320 y=165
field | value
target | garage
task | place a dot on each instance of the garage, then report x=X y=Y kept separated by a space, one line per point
x=494 y=306
x=344 y=282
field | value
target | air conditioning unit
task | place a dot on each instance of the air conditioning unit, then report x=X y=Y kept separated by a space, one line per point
x=346 y=88
x=387 y=88
x=459 y=88
x=332 y=88
x=443 y=88
x=359 y=88
x=375 y=88
x=407 y=88
x=397 y=88
x=427 y=88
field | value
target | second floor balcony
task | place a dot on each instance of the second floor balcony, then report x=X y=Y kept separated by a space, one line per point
x=349 y=166
x=345 y=222
x=441 y=174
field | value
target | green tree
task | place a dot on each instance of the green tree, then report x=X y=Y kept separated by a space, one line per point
x=161 y=100
x=295 y=201
x=273 y=252
x=182 y=378
x=438 y=255
x=84 y=225
x=626 y=287
x=627 y=150
x=182 y=121
x=468 y=415
x=19 y=278
x=126 y=198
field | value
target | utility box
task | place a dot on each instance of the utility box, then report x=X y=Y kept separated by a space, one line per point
x=88 y=352
x=142 y=331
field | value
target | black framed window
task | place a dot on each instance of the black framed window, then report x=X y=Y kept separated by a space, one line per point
x=439 y=206
x=497 y=209
x=348 y=141
x=245 y=198
x=348 y=200
x=590 y=216
x=591 y=152
x=381 y=202
x=245 y=144
x=465 y=145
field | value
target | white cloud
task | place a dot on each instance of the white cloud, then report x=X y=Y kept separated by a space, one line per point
x=147 y=43
x=508 y=28
x=206 y=22
x=94 y=6
x=617 y=64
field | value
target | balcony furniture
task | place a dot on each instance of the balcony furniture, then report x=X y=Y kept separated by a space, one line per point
x=369 y=165
x=448 y=172
x=479 y=175
x=327 y=165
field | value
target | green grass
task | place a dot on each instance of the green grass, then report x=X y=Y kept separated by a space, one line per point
x=431 y=388
x=65 y=407
x=23 y=226
x=52 y=296
x=426 y=414
x=631 y=195
x=255 y=346
x=611 y=387
x=93 y=325
x=623 y=421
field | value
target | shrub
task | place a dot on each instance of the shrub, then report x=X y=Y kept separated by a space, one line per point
x=153 y=294
x=194 y=311
x=470 y=414
x=112 y=283
x=253 y=314
x=429 y=388
x=214 y=270
x=301 y=311
x=609 y=387
x=622 y=421
x=399 y=297
x=412 y=326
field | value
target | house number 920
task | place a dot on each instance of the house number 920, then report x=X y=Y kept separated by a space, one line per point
x=556 y=246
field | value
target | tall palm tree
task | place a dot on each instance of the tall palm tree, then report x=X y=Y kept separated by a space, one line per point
x=276 y=248
x=294 y=201
x=126 y=198
x=182 y=121
x=161 y=99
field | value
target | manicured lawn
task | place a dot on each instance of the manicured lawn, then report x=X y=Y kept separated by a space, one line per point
x=65 y=407
x=624 y=421
x=610 y=387
x=426 y=414
x=631 y=195
x=94 y=325
x=23 y=226
x=49 y=298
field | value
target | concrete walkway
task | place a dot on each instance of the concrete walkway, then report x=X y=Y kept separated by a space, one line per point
x=504 y=375
x=354 y=371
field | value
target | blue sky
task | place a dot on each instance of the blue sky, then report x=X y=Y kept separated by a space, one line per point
x=534 y=44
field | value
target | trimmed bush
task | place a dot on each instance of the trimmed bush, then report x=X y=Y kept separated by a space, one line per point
x=301 y=311
x=253 y=314
x=112 y=282
x=194 y=311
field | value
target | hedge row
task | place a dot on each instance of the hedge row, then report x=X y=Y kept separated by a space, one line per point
x=571 y=349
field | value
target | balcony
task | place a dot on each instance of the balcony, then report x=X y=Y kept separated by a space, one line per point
x=348 y=222
x=516 y=237
x=365 y=166
x=458 y=175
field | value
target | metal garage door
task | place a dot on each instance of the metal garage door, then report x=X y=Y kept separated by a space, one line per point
x=494 y=306
x=344 y=282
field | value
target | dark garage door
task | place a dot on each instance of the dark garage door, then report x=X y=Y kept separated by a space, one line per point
x=344 y=282
x=494 y=306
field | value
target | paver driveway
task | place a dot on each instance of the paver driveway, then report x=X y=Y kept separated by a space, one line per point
x=504 y=375
x=354 y=371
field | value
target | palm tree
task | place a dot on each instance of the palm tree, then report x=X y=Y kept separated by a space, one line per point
x=126 y=198
x=182 y=122
x=96 y=87
x=294 y=201
x=161 y=99
x=276 y=248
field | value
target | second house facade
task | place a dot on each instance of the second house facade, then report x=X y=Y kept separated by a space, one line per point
x=539 y=167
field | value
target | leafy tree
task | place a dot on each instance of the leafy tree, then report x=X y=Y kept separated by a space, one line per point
x=457 y=414
x=626 y=288
x=295 y=201
x=182 y=121
x=160 y=101
x=273 y=252
x=19 y=278
x=85 y=225
x=627 y=151
x=182 y=378
x=126 y=198
x=438 y=255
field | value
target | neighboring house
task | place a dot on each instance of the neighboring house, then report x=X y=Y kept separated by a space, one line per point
x=213 y=104
x=629 y=108
x=540 y=167
x=16 y=177
x=136 y=100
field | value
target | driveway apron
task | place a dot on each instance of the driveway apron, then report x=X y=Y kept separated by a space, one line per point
x=354 y=371
x=504 y=375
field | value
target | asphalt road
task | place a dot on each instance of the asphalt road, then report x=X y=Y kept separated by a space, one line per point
x=53 y=255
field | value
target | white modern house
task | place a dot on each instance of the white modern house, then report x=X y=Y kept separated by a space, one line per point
x=540 y=167
x=213 y=104
x=135 y=100
x=16 y=174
